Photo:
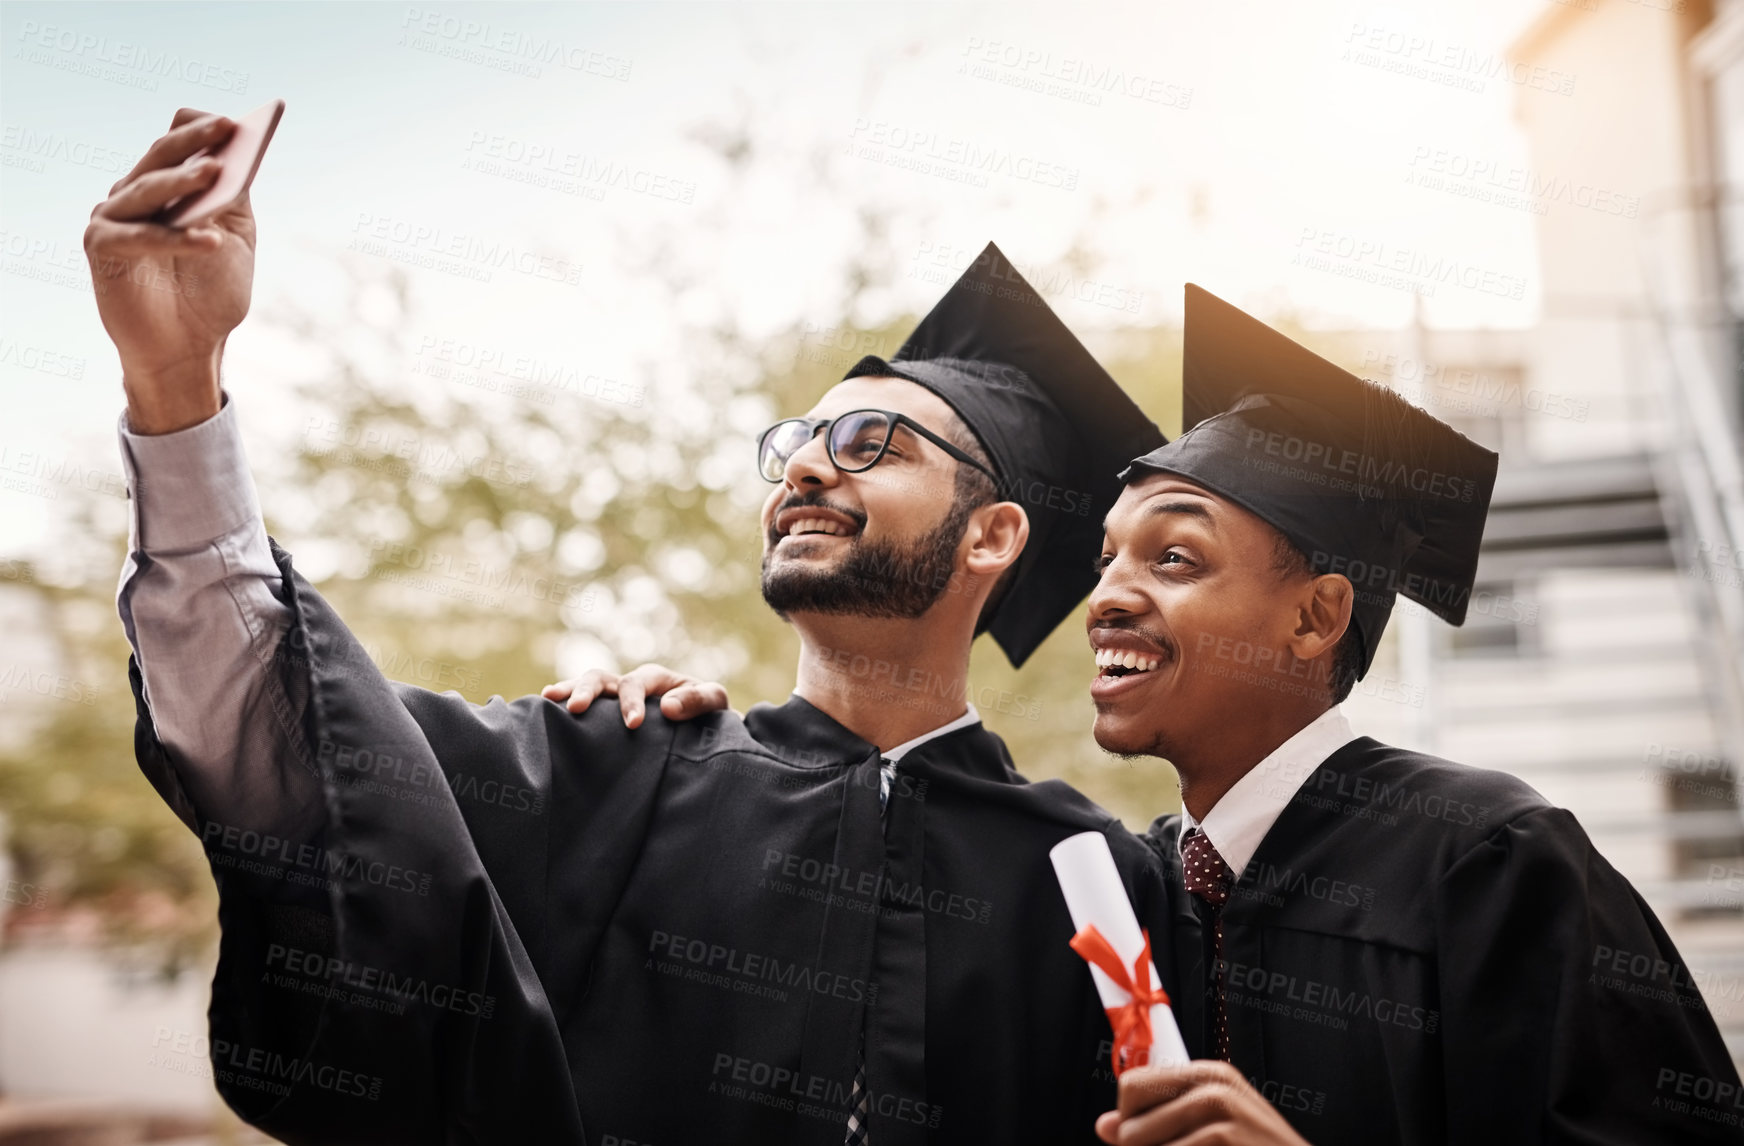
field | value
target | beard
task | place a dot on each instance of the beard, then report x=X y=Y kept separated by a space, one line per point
x=891 y=579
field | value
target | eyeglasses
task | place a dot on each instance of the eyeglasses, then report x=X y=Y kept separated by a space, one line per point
x=856 y=441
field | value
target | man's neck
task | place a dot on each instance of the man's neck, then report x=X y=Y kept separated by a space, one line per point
x=1212 y=763
x=886 y=681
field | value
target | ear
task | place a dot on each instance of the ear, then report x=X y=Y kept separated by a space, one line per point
x=1322 y=615
x=995 y=539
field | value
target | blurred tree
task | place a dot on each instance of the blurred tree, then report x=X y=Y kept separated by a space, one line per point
x=93 y=849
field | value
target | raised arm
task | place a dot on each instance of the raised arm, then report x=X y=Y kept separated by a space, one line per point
x=199 y=594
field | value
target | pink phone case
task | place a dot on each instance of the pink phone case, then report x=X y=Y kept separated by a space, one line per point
x=240 y=154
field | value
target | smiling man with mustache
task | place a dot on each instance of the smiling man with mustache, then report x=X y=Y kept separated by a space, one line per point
x=1390 y=947
x=832 y=921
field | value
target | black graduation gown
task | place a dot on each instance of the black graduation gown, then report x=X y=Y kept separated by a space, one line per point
x=1423 y=952
x=516 y=925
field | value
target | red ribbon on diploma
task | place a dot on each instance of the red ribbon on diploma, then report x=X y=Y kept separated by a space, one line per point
x=1132 y=1020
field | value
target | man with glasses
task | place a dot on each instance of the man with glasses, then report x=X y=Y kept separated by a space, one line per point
x=831 y=921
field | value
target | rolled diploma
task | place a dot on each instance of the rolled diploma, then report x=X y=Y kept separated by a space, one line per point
x=1095 y=895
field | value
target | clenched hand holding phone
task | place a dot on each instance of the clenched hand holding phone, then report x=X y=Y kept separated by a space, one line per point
x=172 y=262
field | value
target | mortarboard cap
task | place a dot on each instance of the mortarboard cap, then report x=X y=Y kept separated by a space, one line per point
x=1362 y=482
x=1055 y=425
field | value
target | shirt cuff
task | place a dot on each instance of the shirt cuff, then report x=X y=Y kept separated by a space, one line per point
x=188 y=488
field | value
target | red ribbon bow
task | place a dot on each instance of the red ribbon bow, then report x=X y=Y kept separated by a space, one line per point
x=1132 y=1019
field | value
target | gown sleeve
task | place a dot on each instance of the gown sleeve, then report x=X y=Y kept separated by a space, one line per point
x=1567 y=1014
x=201 y=604
x=375 y=980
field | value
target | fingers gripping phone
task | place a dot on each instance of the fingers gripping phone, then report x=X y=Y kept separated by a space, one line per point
x=240 y=155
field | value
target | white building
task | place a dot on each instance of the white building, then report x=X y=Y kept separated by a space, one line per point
x=1603 y=660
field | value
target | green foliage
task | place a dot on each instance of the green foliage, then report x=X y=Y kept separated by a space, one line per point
x=90 y=842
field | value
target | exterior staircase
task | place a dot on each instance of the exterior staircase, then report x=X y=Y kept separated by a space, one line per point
x=1587 y=668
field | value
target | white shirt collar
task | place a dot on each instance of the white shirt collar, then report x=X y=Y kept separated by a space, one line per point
x=1237 y=823
x=907 y=746
x=964 y=721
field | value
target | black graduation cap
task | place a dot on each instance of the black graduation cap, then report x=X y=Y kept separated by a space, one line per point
x=1055 y=425
x=1364 y=483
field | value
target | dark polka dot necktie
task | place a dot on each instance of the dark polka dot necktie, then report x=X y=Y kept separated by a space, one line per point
x=1209 y=878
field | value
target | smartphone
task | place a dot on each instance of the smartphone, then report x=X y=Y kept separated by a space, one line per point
x=240 y=155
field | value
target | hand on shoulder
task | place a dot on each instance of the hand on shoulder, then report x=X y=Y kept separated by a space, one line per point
x=681 y=697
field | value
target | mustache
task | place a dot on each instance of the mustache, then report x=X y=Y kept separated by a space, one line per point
x=1143 y=632
x=814 y=501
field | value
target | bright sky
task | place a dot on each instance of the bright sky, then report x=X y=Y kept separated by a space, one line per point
x=1216 y=143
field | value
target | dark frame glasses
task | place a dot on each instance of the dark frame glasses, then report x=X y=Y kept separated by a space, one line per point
x=848 y=431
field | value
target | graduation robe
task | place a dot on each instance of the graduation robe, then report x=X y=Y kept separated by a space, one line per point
x=517 y=925
x=1423 y=952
